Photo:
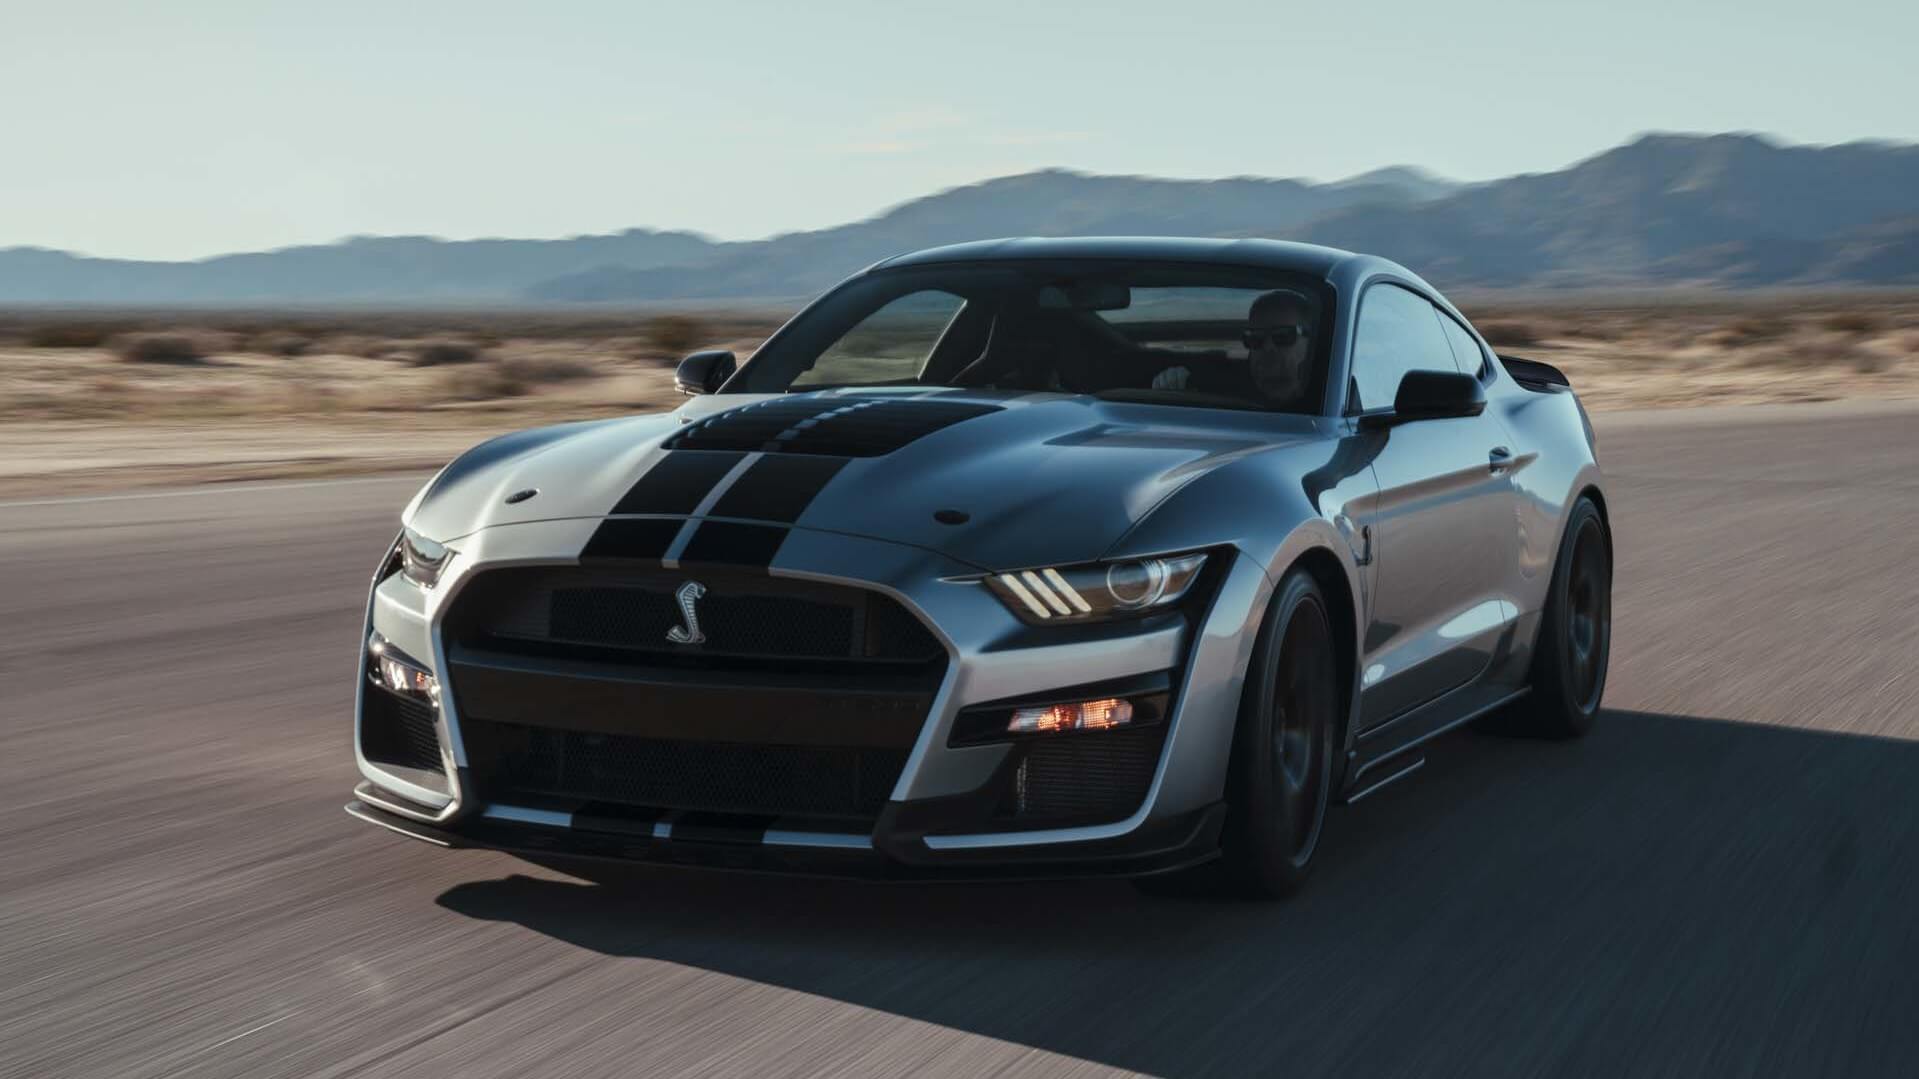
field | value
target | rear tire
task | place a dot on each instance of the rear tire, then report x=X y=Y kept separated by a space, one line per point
x=1575 y=635
x=1281 y=772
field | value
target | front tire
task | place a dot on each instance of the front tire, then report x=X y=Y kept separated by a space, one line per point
x=1281 y=776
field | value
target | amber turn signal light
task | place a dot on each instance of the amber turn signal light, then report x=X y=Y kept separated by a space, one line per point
x=1103 y=714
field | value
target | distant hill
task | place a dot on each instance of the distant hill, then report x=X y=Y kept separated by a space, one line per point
x=1047 y=203
x=362 y=270
x=1414 y=182
x=1727 y=210
x=1732 y=210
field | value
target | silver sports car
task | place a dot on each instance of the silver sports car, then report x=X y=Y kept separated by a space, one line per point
x=1022 y=557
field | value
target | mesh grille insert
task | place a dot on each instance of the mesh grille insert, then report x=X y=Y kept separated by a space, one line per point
x=1082 y=778
x=713 y=777
x=398 y=730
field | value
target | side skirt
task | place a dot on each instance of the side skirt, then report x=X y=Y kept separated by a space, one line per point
x=1391 y=752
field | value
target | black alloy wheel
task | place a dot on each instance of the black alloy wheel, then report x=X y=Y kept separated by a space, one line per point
x=1279 y=781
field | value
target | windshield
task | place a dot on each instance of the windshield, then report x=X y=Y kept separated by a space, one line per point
x=1171 y=333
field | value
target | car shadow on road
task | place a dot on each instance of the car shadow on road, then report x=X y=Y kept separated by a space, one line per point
x=1669 y=895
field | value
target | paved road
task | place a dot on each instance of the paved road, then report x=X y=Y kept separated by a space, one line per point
x=1723 y=880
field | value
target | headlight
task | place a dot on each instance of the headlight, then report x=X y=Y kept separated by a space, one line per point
x=1098 y=590
x=421 y=559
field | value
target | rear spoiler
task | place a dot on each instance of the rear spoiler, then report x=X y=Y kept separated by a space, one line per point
x=1534 y=375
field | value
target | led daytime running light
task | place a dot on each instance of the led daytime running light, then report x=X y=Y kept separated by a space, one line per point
x=1100 y=590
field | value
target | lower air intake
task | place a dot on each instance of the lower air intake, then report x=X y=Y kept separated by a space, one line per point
x=715 y=777
x=1078 y=779
x=399 y=732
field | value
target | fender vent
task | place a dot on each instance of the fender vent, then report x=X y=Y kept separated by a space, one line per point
x=839 y=426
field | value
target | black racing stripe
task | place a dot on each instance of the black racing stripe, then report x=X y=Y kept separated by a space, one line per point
x=778 y=488
x=678 y=482
x=631 y=538
x=730 y=543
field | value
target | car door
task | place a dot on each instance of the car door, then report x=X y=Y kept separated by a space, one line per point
x=1444 y=529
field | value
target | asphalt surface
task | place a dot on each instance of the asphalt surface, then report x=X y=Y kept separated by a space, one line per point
x=1722 y=880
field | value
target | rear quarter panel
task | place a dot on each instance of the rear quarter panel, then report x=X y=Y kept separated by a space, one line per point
x=1557 y=462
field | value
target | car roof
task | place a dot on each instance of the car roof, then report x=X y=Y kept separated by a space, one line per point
x=1268 y=254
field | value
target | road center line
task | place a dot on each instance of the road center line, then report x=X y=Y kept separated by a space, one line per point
x=244 y=1033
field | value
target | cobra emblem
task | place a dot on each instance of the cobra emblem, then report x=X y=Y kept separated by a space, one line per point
x=688 y=594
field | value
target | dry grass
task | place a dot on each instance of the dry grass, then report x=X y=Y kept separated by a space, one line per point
x=444 y=351
x=1855 y=323
x=1720 y=349
x=480 y=382
x=1511 y=332
x=280 y=343
x=64 y=335
x=238 y=381
x=674 y=334
x=222 y=368
x=1620 y=353
x=175 y=348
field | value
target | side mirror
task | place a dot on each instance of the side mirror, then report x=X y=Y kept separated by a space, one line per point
x=1432 y=395
x=704 y=372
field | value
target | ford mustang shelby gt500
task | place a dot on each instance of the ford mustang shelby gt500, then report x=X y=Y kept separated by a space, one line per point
x=1017 y=557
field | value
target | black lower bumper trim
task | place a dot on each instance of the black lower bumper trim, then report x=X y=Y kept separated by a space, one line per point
x=1171 y=844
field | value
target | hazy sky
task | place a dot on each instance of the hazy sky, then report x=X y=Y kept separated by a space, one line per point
x=176 y=130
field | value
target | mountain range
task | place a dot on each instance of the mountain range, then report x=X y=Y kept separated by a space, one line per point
x=1710 y=210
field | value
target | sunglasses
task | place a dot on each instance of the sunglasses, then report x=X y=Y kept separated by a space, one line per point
x=1277 y=336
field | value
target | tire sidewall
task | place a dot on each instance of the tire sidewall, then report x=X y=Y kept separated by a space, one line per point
x=1566 y=715
x=1258 y=841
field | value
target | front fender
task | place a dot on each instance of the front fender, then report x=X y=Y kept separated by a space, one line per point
x=1273 y=508
x=1294 y=506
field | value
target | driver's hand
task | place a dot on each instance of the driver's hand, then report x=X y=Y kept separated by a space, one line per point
x=1173 y=378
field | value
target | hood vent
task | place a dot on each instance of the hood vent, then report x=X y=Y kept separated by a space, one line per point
x=838 y=426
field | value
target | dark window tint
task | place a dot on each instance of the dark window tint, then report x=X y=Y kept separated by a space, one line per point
x=891 y=345
x=1466 y=350
x=1145 y=332
x=1398 y=332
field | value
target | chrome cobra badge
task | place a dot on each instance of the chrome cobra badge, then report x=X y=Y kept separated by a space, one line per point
x=688 y=594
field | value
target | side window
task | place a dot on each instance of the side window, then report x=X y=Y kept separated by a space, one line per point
x=1466 y=350
x=889 y=345
x=1398 y=332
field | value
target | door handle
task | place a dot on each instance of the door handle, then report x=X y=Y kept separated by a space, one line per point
x=1498 y=458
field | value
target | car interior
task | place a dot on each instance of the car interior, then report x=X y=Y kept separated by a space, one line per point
x=1057 y=339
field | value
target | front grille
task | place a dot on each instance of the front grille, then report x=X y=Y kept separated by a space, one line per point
x=1075 y=779
x=802 y=700
x=715 y=777
x=741 y=625
x=399 y=731
x=743 y=617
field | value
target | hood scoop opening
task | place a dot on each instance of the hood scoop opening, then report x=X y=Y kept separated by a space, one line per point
x=836 y=426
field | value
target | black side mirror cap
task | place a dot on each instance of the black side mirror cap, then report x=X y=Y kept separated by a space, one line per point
x=704 y=372
x=1431 y=395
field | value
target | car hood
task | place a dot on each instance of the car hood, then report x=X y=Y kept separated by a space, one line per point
x=1014 y=480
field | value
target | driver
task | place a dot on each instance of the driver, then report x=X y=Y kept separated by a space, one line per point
x=1277 y=353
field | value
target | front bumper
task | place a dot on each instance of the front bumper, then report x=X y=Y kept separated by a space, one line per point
x=1160 y=846
x=933 y=823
